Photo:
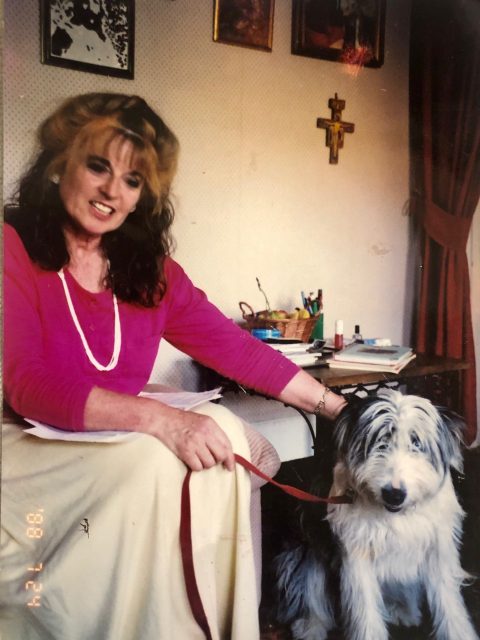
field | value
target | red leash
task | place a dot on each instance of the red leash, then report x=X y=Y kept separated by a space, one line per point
x=187 y=559
x=186 y=535
x=286 y=488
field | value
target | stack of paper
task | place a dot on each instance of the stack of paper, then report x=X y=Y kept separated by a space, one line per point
x=372 y=358
x=299 y=353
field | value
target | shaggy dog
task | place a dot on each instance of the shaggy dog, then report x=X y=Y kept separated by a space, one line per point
x=397 y=545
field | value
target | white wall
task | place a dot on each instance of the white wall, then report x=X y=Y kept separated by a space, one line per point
x=255 y=194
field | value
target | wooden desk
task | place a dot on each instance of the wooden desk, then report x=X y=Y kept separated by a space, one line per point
x=434 y=377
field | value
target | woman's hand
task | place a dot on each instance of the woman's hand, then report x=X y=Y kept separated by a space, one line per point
x=194 y=438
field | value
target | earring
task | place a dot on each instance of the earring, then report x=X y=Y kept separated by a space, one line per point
x=55 y=178
x=132 y=210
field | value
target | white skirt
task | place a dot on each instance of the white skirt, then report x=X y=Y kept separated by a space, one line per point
x=90 y=541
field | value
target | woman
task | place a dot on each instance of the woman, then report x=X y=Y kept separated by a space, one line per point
x=90 y=289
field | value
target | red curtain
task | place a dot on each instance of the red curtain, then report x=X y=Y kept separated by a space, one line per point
x=445 y=178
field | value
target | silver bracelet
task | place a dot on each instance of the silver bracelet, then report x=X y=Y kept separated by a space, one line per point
x=320 y=407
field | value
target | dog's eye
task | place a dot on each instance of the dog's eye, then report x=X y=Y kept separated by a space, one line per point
x=415 y=442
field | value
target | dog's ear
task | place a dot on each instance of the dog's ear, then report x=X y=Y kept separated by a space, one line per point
x=343 y=424
x=347 y=435
x=451 y=428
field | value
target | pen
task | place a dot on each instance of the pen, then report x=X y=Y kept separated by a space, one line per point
x=320 y=300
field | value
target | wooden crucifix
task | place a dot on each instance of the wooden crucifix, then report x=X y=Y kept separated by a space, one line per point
x=335 y=128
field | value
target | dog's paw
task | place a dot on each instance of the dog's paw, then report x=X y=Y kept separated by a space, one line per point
x=304 y=629
x=405 y=616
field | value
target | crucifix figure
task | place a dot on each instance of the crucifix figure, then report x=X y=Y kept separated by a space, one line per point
x=335 y=127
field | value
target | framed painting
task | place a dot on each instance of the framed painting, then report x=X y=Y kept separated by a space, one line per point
x=89 y=35
x=349 y=31
x=247 y=23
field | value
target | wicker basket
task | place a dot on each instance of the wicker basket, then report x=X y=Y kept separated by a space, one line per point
x=293 y=329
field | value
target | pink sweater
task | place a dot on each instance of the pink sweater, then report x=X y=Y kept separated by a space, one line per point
x=47 y=375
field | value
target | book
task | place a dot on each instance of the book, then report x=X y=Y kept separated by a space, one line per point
x=300 y=353
x=364 y=353
x=371 y=366
x=304 y=360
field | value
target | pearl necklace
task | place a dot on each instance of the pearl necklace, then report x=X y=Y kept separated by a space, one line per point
x=117 y=341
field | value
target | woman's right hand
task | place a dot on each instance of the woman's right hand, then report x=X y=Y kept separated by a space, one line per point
x=194 y=438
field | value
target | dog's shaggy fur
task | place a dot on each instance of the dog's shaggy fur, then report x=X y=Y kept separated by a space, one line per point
x=396 y=546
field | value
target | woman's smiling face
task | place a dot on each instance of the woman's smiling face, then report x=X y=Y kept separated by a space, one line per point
x=101 y=191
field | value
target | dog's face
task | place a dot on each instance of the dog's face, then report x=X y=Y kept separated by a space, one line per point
x=395 y=449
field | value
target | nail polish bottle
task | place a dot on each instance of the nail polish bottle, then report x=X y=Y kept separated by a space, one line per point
x=357 y=336
x=338 y=340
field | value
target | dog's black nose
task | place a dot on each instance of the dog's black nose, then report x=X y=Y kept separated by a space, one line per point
x=393 y=497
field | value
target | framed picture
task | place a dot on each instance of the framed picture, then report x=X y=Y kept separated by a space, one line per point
x=89 y=35
x=350 y=31
x=247 y=23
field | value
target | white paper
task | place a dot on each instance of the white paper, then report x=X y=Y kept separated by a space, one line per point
x=183 y=399
x=179 y=399
x=45 y=431
x=293 y=347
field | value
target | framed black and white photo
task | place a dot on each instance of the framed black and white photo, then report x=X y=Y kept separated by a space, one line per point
x=89 y=35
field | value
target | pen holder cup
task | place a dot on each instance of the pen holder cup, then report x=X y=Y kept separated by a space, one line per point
x=289 y=328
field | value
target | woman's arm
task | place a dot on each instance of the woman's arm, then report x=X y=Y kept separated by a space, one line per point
x=194 y=438
x=32 y=387
x=198 y=328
